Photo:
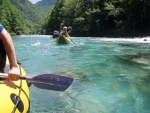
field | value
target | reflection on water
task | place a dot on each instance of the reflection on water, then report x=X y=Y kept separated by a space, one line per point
x=110 y=75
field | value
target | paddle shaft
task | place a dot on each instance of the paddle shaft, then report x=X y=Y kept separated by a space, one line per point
x=71 y=39
x=5 y=75
x=46 y=81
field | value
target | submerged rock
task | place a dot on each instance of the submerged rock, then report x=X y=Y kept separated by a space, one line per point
x=141 y=58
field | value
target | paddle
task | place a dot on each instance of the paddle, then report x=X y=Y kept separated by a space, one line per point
x=47 y=81
x=71 y=40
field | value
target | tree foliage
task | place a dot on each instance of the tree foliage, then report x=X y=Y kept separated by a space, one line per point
x=100 y=17
x=45 y=4
x=82 y=17
x=20 y=16
x=11 y=18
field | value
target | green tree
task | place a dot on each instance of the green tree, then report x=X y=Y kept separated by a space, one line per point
x=100 y=17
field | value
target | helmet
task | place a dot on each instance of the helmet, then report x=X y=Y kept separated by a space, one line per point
x=64 y=27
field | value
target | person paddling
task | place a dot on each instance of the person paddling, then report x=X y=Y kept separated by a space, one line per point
x=55 y=34
x=7 y=48
x=64 y=32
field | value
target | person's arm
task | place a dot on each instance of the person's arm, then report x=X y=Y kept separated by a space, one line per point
x=61 y=32
x=14 y=72
x=67 y=34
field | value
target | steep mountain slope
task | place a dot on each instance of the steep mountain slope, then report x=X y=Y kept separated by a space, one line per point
x=46 y=4
x=28 y=10
x=11 y=19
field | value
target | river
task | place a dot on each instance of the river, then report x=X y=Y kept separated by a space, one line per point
x=110 y=75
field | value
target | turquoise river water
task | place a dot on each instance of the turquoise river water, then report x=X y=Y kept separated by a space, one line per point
x=110 y=75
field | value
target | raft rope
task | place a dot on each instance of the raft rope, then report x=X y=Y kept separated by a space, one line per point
x=20 y=88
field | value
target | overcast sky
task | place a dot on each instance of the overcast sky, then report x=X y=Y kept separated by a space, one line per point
x=34 y=1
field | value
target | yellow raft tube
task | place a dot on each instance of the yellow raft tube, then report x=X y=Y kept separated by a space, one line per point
x=14 y=95
x=62 y=40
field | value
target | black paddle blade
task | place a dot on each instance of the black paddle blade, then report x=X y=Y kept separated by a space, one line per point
x=52 y=82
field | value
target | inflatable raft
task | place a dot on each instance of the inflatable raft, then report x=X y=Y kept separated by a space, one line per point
x=62 y=40
x=14 y=95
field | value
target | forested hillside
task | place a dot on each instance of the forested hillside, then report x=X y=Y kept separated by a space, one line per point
x=100 y=17
x=10 y=17
x=46 y=4
x=28 y=10
x=83 y=17
x=31 y=13
x=20 y=16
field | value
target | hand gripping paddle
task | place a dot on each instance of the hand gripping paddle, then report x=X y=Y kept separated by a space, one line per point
x=47 y=81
